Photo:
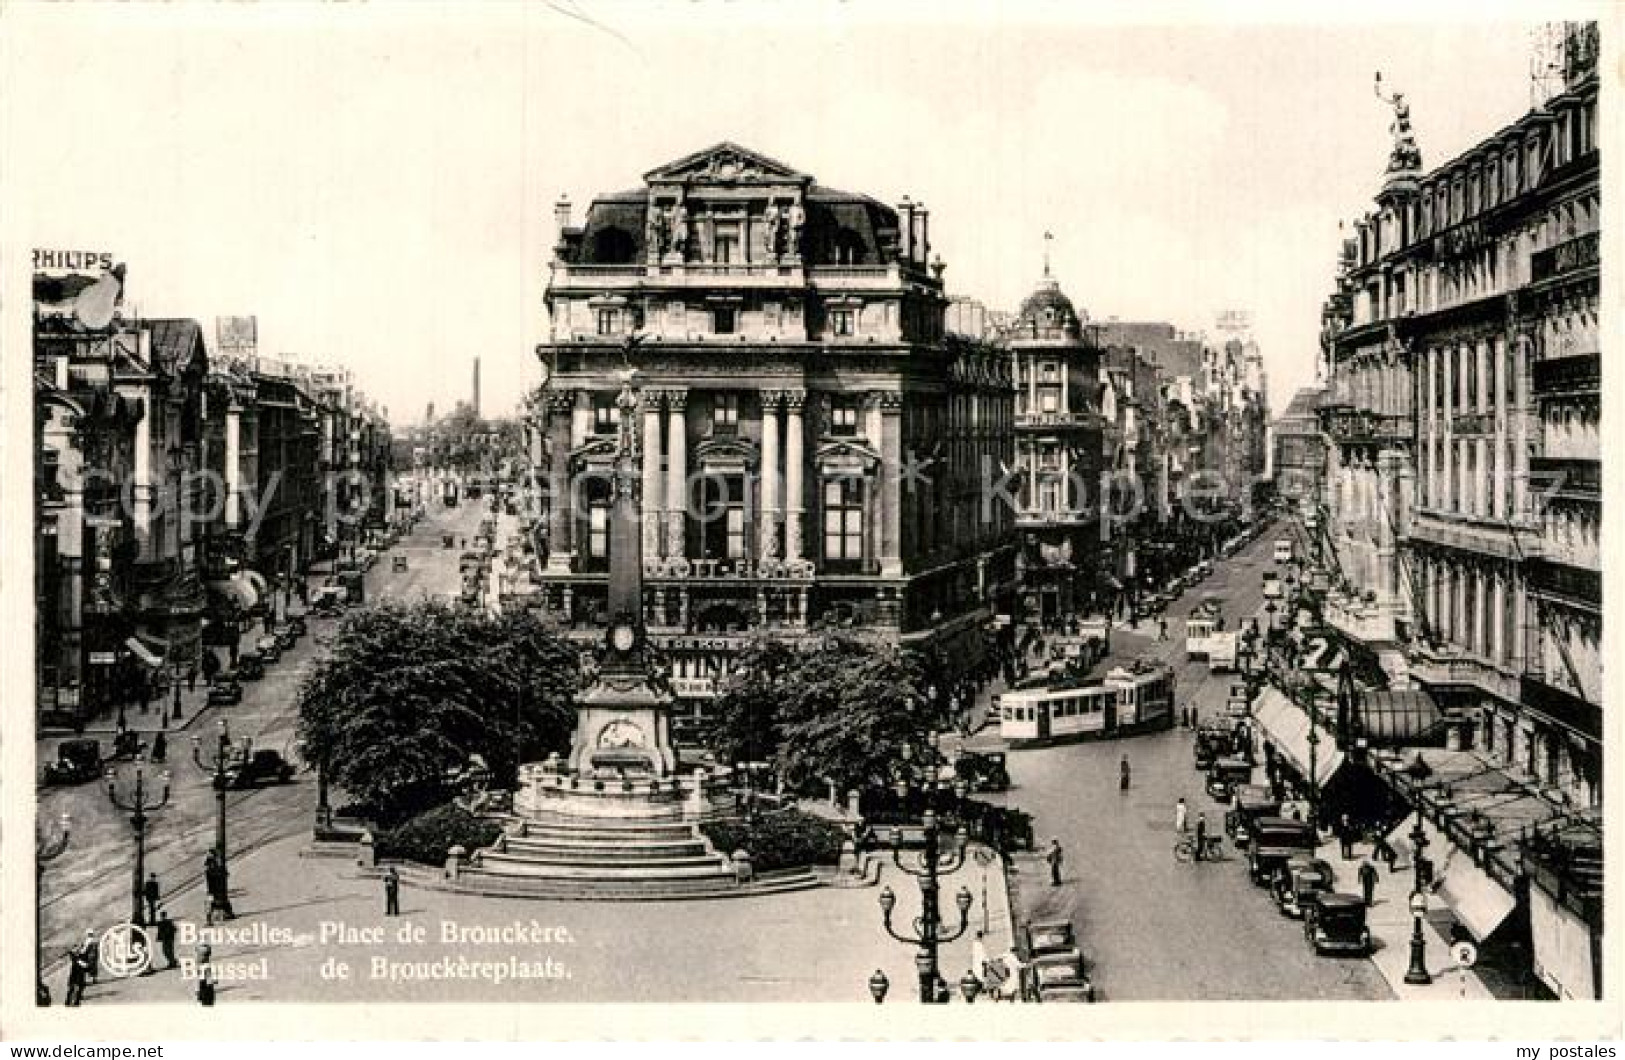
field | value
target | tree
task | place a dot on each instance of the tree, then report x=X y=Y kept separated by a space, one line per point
x=841 y=710
x=409 y=693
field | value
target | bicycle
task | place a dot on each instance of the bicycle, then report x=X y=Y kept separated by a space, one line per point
x=1212 y=849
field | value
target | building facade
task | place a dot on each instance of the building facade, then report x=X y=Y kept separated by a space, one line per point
x=1059 y=450
x=814 y=445
x=1299 y=461
x=1463 y=486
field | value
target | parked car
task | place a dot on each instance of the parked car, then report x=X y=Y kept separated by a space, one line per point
x=1226 y=774
x=76 y=762
x=284 y=637
x=296 y=623
x=268 y=648
x=983 y=770
x=224 y=693
x=1050 y=936
x=250 y=667
x=1303 y=881
x=1060 y=977
x=1275 y=840
x=258 y=767
x=1336 y=924
x=1249 y=802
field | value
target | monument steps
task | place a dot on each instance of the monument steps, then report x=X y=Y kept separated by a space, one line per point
x=612 y=849
x=609 y=829
x=475 y=881
x=595 y=866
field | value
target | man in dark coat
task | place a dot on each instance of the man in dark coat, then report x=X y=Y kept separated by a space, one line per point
x=166 y=937
x=1345 y=837
x=149 y=891
x=392 y=892
x=1201 y=835
x=1368 y=880
x=1055 y=856
x=77 y=977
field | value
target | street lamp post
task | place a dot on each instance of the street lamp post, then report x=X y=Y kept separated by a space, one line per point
x=216 y=763
x=929 y=934
x=45 y=851
x=1417 y=974
x=138 y=805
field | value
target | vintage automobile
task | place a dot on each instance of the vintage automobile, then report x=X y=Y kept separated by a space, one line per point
x=1060 y=977
x=127 y=745
x=250 y=667
x=1301 y=883
x=1336 y=924
x=328 y=601
x=76 y=762
x=1274 y=841
x=284 y=636
x=269 y=650
x=1050 y=936
x=1212 y=743
x=1225 y=774
x=983 y=770
x=397 y=563
x=296 y=623
x=224 y=693
x=258 y=767
x=1248 y=803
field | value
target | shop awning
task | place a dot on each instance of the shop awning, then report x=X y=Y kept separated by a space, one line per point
x=1397 y=718
x=139 y=649
x=1563 y=951
x=1286 y=725
x=1477 y=900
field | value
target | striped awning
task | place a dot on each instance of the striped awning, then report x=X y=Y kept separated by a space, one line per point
x=237 y=590
x=1286 y=725
x=1397 y=718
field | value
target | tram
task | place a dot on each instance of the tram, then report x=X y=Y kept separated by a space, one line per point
x=1132 y=699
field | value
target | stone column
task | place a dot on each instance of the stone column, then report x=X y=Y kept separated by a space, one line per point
x=794 y=490
x=1430 y=420
x=652 y=496
x=1498 y=631
x=1031 y=500
x=676 y=474
x=1032 y=384
x=561 y=500
x=1065 y=405
x=891 y=459
x=1480 y=616
x=1520 y=418
x=1447 y=434
x=767 y=532
x=1498 y=502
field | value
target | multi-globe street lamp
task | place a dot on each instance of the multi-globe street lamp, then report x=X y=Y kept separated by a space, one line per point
x=46 y=850
x=215 y=762
x=1417 y=973
x=138 y=804
x=929 y=934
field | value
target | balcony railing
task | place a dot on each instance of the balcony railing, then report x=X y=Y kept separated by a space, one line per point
x=1052 y=419
x=1580 y=374
x=1473 y=423
x=1359 y=425
x=1574 y=585
x=1450 y=666
x=1581 y=252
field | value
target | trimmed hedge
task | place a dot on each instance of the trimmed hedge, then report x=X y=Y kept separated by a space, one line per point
x=780 y=839
x=426 y=837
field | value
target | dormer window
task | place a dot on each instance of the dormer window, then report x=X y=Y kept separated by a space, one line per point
x=609 y=321
x=842 y=322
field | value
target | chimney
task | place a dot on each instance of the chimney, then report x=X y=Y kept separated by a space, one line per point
x=476 y=386
x=905 y=224
x=561 y=213
x=922 y=242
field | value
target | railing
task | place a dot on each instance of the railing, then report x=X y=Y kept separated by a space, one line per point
x=1581 y=373
x=1581 y=252
x=1052 y=419
x=1447 y=666
x=1473 y=423
x=1361 y=425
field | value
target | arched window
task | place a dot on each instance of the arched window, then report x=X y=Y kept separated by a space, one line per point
x=613 y=246
x=848 y=248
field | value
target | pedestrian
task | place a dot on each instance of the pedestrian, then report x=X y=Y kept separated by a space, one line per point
x=77 y=977
x=205 y=985
x=1123 y=774
x=1384 y=851
x=1162 y=629
x=160 y=747
x=1345 y=837
x=149 y=891
x=89 y=949
x=1201 y=835
x=166 y=937
x=191 y=679
x=392 y=892
x=217 y=882
x=1181 y=813
x=1055 y=857
x=1368 y=880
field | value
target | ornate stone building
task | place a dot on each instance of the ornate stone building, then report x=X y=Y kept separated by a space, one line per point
x=1059 y=449
x=814 y=447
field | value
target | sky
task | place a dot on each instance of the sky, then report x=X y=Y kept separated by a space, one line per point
x=376 y=182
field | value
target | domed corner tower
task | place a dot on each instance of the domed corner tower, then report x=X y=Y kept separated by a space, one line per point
x=1059 y=449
